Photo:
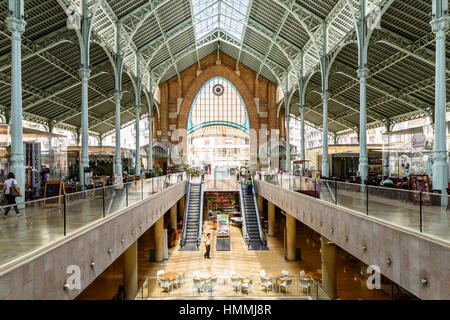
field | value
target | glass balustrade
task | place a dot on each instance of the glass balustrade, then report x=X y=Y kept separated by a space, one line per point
x=47 y=220
x=424 y=212
x=220 y=286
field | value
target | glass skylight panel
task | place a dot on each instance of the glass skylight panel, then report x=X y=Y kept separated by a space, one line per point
x=228 y=15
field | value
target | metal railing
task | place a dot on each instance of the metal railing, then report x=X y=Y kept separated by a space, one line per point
x=262 y=236
x=186 y=213
x=244 y=218
x=200 y=218
x=425 y=212
x=54 y=218
x=226 y=286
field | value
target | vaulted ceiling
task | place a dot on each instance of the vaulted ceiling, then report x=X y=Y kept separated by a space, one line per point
x=275 y=38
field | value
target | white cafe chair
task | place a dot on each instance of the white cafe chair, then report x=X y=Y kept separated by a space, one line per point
x=166 y=285
x=286 y=285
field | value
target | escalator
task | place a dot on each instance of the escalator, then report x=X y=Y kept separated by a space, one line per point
x=193 y=218
x=253 y=234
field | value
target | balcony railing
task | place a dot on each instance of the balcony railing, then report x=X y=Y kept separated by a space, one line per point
x=226 y=286
x=47 y=220
x=423 y=212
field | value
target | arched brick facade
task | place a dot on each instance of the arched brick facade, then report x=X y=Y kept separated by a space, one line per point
x=229 y=74
x=178 y=93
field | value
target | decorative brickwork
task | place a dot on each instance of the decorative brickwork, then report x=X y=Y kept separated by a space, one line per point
x=178 y=94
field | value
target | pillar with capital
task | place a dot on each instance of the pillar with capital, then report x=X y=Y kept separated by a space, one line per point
x=325 y=96
x=439 y=26
x=16 y=25
x=137 y=108
x=363 y=72
x=117 y=98
x=85 y=73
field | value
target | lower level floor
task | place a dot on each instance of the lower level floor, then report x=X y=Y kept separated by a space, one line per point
x=350 y=280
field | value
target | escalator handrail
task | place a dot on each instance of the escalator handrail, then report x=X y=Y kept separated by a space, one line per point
x=329 y=187
x=200 y=220
x=262 y=236
x=186 y=211
x=244 y=220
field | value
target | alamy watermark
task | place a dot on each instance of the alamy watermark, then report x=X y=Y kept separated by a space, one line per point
x=74 y=280
x=374 y=280
x=374 y=19
x=74 y=19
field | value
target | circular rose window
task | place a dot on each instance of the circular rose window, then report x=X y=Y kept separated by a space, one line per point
x=218 y=89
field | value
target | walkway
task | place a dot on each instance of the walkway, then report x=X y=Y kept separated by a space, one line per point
x=395 y=206
x=41 y=224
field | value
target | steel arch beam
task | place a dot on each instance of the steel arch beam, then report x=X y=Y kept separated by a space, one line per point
x=212 y=38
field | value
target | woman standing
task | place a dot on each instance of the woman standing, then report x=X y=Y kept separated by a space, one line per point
x=10 y=192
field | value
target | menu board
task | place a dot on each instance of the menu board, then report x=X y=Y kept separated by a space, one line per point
x=98 y=184
x=53 y=189
x=420 y=183
x=223 y=233
x=222 y=225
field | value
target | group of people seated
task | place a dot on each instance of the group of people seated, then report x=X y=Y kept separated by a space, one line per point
x=391 y=184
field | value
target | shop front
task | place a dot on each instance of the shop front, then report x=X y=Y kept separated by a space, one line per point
x=344 y=161
x=409 y=152
x=101 y=161
x=45 y=158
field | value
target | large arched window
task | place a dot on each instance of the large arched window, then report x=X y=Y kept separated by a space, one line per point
x=218 y=103
x=218 y=127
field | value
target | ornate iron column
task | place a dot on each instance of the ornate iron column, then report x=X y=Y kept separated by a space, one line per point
x=16 y=25
x=85 y=73
x=150 y=124
x=440 y=25
x=287 y=117
x=118 y=97
x=325 y=97
x=137 y=167
x=363 y=72
x=301 y=94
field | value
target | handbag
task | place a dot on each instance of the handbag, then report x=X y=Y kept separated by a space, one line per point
x=13 y=192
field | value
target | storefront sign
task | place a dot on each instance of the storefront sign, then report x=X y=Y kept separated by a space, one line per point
x=36 y=167
x=418 y=141
x=33 y=165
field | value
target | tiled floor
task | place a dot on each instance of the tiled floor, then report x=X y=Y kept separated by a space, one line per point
x=242 y=261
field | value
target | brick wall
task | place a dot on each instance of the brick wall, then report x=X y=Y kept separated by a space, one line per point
x=178 y=94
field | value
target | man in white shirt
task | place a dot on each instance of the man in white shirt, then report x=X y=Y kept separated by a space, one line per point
x=208 y=246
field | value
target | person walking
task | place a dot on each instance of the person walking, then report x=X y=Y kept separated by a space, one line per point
x=207 y=246
x=10 y=192
x=249 y=185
